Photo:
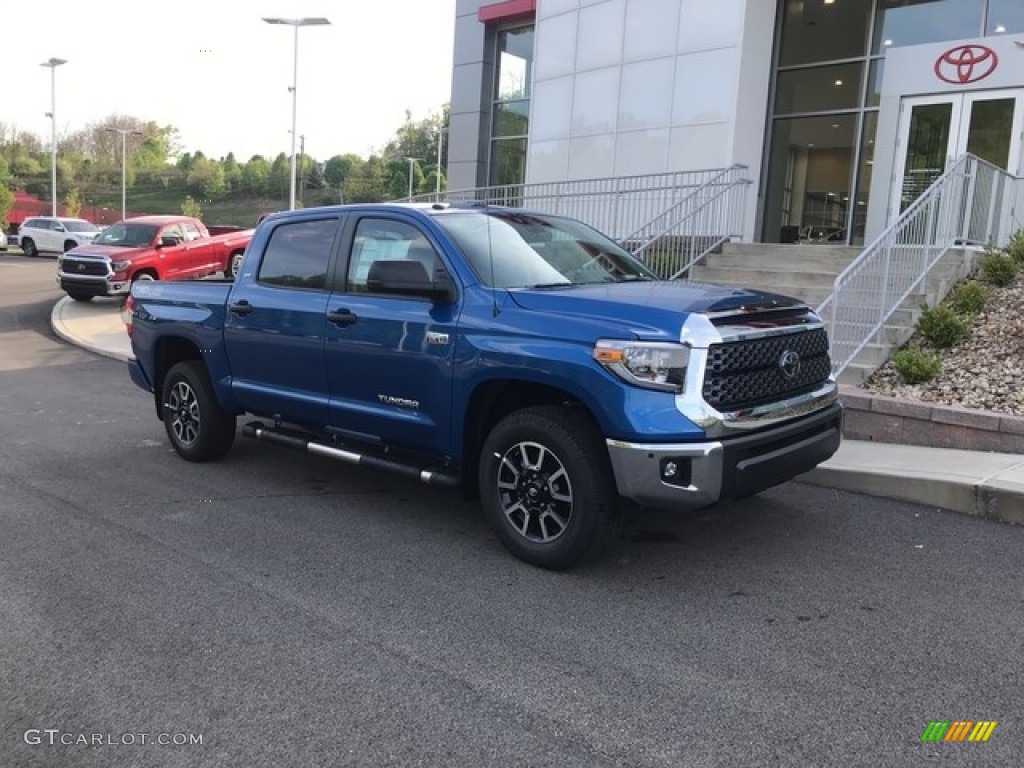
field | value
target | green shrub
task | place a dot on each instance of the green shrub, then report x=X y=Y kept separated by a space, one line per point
x=915 y=366
x=969 y=297
x=942 y=327
x=998 y=268
x=1015 y=248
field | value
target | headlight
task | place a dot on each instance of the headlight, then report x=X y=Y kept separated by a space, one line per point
x=117 y=266
x=654 y=365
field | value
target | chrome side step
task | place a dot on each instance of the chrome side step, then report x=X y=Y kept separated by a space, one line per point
x=259 y=431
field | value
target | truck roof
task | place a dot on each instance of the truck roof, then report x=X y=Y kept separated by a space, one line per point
x=159 y=219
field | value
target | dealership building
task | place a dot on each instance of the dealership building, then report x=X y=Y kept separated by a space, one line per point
x=839 y=111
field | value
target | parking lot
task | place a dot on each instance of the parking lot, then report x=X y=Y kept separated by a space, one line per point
x=295 y=611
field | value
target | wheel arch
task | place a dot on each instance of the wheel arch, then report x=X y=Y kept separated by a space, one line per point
x=492 y=401
x=169 y=351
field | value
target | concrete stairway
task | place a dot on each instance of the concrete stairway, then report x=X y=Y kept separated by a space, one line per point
x=808 y=272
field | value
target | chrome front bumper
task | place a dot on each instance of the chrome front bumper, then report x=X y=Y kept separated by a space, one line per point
x=683 y=476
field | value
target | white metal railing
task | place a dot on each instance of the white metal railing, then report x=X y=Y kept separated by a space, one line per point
x=676 y=239
x=617 y=206
x=973 y=202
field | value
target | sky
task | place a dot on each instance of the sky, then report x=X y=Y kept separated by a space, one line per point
x=220 y=75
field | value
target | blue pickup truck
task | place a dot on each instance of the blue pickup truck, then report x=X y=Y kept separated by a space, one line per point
x=523 y=356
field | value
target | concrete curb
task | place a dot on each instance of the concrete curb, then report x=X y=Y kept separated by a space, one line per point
x=988 y=485
x=89 y=325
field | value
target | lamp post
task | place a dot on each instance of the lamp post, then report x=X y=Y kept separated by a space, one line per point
x=440 y=146
x=53 y=63
x=412 y=161
x=296 y=23
x=125 y=133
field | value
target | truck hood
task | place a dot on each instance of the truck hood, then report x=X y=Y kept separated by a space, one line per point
x=648 y=308
x=110 y=252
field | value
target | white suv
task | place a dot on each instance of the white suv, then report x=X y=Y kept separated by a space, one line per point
x=46 y=234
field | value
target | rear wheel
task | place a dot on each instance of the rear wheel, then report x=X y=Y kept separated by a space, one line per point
x=69 y=244
x=29 y=248
x=547 y=487
x=198 y=428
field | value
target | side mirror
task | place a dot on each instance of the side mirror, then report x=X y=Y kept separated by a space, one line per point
x=168 y=241
x=407 y=277
x=59 y=228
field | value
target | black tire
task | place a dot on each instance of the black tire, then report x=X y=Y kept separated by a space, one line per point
x=69 y=244
x=28 y=247
x=80 y=296
x=234 y=264
x=198 y=428
x=552 y=458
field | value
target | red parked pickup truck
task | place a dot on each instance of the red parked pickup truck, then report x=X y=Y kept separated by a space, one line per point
x=148 y=248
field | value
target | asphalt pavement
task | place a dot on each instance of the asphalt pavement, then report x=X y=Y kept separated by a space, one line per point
x=989 y=485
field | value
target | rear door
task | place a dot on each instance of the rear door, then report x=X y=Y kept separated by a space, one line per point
x=274 y=329
x=389 y=358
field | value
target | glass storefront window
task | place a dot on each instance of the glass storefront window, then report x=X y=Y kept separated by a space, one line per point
x=867 y=165
x=515 y=63
x=508 y=162
x=911 y=22
x=510 y=116
x=1005 y=17
x=810 y=179
x=819 y=89
x=823 y=30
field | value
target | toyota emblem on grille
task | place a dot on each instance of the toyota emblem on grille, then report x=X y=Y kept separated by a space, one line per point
x=81 y=267
x=789 y=364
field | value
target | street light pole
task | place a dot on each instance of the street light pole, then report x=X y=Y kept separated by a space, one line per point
x=440 y=146
x=296 y=23
x=53 y=63
x=125 y=132
x=412 y=161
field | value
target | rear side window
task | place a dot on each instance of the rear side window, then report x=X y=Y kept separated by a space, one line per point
x=298 y=254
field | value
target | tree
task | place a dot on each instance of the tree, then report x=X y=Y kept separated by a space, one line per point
x=232 y=172
x=255 y=175
x=279 y=180
x=206 y=178
x=189 y=207
x=73 y=202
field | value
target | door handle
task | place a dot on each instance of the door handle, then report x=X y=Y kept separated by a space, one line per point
x=342 y=317
x=242 y=307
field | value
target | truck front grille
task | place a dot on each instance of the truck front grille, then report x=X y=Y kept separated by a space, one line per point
x=745 y=374
x=84 y=267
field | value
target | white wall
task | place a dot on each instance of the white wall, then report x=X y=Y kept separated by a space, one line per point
x=630 y=87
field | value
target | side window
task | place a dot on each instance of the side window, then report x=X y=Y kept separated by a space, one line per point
x=385 y=240
x=173 y=230
x=298 y=254
x=191 y=231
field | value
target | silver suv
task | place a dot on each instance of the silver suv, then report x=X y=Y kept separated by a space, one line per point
x=46 y=234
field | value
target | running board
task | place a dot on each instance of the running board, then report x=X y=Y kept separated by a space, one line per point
x=259 y=431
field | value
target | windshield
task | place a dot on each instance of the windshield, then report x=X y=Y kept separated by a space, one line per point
x=72 y=225
x=517 y=250
x=127 y=235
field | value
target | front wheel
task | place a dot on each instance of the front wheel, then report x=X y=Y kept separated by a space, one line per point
x=234 y=264
x=198 y=428
x=547 y=487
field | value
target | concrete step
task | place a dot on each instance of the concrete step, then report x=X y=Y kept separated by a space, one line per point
x=768 y=250
x=795 y=261
x=758 y=277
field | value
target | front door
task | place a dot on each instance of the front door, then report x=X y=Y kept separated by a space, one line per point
x=935 y=130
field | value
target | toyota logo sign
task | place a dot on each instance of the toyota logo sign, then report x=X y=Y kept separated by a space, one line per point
x=966 y=64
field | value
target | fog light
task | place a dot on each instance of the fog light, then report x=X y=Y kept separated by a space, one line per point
x=675 y=470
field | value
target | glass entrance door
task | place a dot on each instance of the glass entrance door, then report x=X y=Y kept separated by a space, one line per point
x=935 y=130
